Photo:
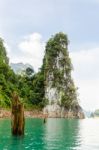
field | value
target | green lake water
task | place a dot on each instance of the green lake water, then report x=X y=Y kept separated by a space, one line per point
x=55 y=134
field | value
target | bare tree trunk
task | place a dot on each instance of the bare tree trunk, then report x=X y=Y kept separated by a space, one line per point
x=17 y=117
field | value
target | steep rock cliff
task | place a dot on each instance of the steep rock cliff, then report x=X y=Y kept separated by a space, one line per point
x=60 y=91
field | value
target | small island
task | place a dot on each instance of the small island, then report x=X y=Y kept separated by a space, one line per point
x=50 y=92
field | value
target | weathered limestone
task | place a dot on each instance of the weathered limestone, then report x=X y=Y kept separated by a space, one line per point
x=60 y=91
x=17 y=116
x=55 y=111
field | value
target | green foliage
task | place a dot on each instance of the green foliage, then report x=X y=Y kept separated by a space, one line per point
x=58 y=66
x=3 y=55
x=7 y=78
x=31 y=86
x=55 y=46
x=69 y=95
x=38 y=88
x=29 y=71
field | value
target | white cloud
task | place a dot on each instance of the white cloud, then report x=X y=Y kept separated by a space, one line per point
x=86 y=75
x=32 y=44
x=8 y=49
x=32 y=48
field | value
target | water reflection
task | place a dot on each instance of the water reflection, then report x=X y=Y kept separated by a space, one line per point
x=89 y=134
x=63 y=131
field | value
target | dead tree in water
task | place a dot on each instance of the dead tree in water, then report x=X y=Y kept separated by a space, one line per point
x=44 y=120
x=17 y=116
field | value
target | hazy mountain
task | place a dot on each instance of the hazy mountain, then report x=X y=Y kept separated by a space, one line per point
x=96 y=113
x=20 y=67
x=88 y=114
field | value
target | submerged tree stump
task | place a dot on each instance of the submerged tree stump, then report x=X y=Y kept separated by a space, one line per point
x=17 y=115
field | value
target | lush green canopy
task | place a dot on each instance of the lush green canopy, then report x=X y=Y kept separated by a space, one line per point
x=31 y=86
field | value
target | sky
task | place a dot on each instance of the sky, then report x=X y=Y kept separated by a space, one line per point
x=26 y=26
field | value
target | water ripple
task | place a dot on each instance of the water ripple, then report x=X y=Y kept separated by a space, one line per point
x=56 y=134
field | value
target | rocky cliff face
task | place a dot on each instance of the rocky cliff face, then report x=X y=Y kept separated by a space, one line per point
x=56 y=111
x=60 y=91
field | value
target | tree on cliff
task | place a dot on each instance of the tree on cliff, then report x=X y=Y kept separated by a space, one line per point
x=57 y=71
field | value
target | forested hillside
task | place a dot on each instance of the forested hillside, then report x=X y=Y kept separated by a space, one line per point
x=31 y=86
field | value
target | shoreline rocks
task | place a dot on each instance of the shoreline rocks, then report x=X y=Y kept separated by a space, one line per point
x=55 y=111
x=41 y=114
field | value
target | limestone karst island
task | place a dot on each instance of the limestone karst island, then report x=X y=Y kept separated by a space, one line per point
x=49 y=76
x=50 y=92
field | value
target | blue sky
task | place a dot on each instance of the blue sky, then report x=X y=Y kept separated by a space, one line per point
x=26 y=25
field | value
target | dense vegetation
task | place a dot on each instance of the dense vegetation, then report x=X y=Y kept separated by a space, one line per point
x=30 y=85
x=58 y=66
x=7 y=78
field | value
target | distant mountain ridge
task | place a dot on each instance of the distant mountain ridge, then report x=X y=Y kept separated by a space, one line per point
x=96 y=113
x=18 y=68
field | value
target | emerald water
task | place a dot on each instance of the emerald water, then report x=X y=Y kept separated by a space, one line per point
x=55 y=134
